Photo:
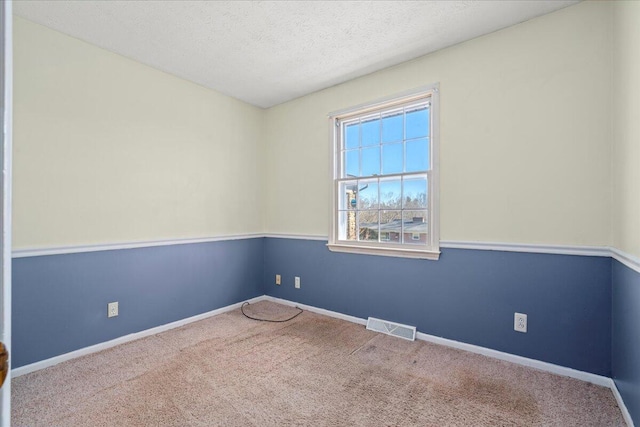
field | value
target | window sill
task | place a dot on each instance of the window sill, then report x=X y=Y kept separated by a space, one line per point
x=385 y=251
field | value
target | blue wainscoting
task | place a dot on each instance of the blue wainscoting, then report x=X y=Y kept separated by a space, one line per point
x=468 y=295
x=60 y=301
x=625 y=362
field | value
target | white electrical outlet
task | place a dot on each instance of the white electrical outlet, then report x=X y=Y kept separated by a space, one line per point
x=278 y=279
x=520 y=322
x=112 y=309
x=297 y=282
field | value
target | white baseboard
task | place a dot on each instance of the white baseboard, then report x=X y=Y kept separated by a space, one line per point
x=623 y=408
x=22 y=370
x=520 y=360
x=317 y=310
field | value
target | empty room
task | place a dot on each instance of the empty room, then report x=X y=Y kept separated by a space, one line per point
x=333 y=213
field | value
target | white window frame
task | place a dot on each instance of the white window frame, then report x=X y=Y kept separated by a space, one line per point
x=432 y=249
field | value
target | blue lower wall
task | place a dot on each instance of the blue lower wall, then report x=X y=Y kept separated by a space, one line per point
x=626 y=336
x=468 y=295
x=60 y=301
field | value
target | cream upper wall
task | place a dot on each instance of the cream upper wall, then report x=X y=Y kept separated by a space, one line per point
x=525 y=137
x=626 y=126
x=108 y=150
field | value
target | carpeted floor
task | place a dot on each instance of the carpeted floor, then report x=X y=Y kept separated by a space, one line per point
x=228 y=370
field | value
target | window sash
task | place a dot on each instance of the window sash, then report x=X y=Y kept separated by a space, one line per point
x=430 y=221
x=380 y=114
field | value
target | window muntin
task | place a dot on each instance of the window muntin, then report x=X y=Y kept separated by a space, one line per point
x=384 y=173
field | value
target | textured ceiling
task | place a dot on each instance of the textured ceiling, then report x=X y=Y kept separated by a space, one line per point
x=268 y=52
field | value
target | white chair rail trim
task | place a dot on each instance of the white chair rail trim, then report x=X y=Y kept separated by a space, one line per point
x=627 y=259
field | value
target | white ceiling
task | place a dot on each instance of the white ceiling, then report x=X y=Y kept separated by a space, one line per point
x=268 y=52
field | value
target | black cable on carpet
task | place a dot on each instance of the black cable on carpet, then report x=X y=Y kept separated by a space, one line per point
x=269 y=320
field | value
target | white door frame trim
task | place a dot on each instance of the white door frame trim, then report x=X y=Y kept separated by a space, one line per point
x=7 y=122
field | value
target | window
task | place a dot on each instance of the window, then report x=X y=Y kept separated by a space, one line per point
x=385 y=177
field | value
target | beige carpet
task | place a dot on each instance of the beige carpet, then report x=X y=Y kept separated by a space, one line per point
x=231 y=371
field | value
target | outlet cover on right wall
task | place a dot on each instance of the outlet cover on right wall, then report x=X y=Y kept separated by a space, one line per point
x=520 y=322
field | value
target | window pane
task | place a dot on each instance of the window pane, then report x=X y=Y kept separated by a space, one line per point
x=390 y=222
x=392 y=158
x=367 y=194
x=368 y=225
x=414 y=193
x=417 y=155
x=371 y=132
x=390 y=194
x=347 y=195
x=392 y=128
x=371 y=161
x=347 y=225
x=352 y=136
x=417 y=123
x=351 y=163
x=416 y=229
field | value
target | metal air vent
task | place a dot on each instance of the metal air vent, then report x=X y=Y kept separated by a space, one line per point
x=392 y=328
